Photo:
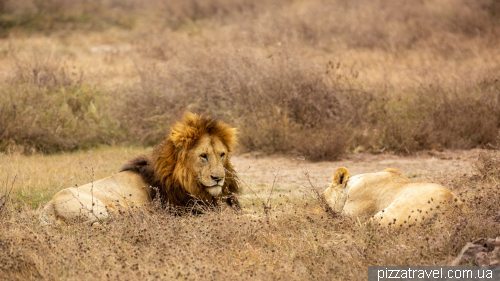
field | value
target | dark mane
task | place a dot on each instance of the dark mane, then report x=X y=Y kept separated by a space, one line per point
x=143 y=166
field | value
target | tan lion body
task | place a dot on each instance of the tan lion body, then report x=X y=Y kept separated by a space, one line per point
x=93 y=201
x=390 y=198
x=189 y=168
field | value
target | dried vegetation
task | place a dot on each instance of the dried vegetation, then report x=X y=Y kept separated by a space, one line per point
x=312 y=78
x=45 y=107
x=284 y=239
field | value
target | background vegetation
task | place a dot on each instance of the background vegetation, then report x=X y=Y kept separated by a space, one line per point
x=398 y=76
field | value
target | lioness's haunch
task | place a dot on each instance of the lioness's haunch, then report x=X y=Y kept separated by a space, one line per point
x=390 y=198
x=190 y=167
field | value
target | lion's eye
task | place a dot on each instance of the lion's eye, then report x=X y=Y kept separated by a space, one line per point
x=222 y=155
x=204 y=156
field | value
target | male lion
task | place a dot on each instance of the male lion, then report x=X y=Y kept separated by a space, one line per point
x=390 y=198
x=190 y=167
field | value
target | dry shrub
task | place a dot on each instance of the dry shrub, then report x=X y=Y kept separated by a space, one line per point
x=181 y=14
x=434 y=118
x=283 y=106
x=253 y=75
x=277 y=106
x=45 y=106
x=2 y=6
x=469 y=118
x=264 y=66
x=58 y=15
x=386 y=25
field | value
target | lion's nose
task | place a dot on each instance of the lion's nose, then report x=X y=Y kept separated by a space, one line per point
x=215 y=178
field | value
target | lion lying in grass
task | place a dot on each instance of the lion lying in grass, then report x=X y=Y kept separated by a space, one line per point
x=390 y=198
x=189 y=168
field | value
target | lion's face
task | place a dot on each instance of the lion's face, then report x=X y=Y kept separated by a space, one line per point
x=336 y=197
x=208 y=158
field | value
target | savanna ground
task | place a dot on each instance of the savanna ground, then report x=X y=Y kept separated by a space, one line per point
x=368 y=84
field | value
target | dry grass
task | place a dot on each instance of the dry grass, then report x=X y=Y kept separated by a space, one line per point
x=292 y=238
x=45 y=106
x=488 y=165
x=310 y=78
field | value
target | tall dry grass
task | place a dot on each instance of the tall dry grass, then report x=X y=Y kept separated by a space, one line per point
x=274 y=103
x=46 y=106
x=311 y=78
x=283 y=105
x=64 y=15
x=290 y=239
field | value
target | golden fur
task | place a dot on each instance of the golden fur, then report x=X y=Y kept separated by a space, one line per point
x=389 y=198
x=190 y=167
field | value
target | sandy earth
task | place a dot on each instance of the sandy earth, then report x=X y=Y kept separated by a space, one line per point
x=289 y=174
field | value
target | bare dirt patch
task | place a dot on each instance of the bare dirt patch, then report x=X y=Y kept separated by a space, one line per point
x=259 y=172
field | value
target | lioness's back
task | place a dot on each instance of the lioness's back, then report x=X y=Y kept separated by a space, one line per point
x=369 y=193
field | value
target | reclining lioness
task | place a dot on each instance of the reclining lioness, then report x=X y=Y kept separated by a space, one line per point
x=390 y=198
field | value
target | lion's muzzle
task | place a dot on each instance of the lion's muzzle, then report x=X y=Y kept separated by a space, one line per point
x=215 y=190
x=218 y=180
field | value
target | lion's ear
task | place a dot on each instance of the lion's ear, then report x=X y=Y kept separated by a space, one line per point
x=340 y=177
x=228 y=135
x=184 y=133
x=183 y=137
x=394 y=170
